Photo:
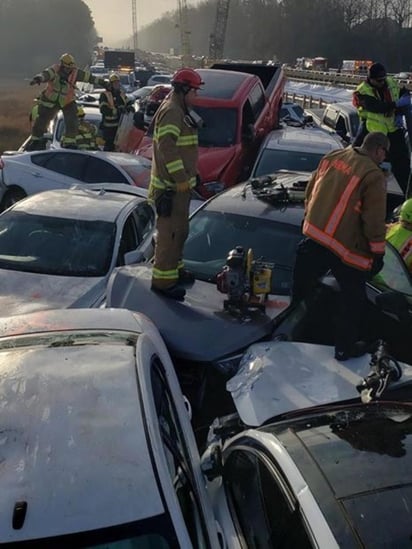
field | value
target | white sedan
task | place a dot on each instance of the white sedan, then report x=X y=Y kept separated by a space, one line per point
x=96 y=437
x=58 y=248
x=24 y=174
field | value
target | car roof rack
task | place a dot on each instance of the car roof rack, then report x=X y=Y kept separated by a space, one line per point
x=269 y=188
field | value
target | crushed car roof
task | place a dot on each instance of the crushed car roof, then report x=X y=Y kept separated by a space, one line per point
x=61 y=421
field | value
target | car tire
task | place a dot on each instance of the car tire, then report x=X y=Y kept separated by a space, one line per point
x=12 y=196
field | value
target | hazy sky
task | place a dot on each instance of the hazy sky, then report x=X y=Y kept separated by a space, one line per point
x=113 y=19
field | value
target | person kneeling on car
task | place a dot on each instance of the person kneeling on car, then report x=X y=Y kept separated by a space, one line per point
x=344 y=226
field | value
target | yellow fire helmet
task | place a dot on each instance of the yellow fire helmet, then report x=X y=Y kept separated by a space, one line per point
x=114 y=77
x=67 y=60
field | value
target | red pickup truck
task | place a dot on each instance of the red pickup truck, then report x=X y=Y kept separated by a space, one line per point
x=239 y=105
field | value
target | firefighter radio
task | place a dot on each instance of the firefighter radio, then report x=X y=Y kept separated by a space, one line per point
x=246 y=281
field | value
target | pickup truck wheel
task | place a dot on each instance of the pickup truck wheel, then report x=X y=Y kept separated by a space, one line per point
x=12 y=196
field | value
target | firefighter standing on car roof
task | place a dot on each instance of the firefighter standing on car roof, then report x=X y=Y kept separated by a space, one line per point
x=113 y=103
x=381 y=103
x=59 y=94
x=400 y=234
x=86 y=138
x=344 y=226
x=174 y=170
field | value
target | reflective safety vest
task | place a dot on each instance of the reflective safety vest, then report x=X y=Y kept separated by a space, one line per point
x=59 y=90
x=401 y=239
x=107 y=100
x=378 y=122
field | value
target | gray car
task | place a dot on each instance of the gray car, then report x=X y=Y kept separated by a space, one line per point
x=58 y=248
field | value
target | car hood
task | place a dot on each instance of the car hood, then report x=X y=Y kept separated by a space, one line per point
x=197 y=329
x=212 y=162
x=28 y=292
x=281 y=376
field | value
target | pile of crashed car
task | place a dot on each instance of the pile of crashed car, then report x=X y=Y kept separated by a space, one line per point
x=130 y=420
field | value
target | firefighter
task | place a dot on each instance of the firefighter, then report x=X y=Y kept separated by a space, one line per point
x=174 y=170
x=379 y=101
x=344 y=226
x=113 y=103
x=86 y=138
x=59 y=94
x=400 y=234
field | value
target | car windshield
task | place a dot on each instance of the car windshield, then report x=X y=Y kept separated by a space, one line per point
x=220 y=126
x=272 y=161
x=61 y=127
x=54 y=245
x=213 y=234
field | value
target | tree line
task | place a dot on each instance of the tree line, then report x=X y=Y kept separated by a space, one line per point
x=34 y=32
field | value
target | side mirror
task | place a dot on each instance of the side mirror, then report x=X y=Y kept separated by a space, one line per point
x=135 y=256
x=394 y=303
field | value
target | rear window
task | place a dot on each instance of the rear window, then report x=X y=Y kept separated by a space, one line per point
x=220 y=127
x=274 y=160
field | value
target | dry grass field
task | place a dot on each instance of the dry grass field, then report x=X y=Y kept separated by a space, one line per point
x=16 y=100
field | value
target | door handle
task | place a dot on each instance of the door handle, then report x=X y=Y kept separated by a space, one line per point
x=36 y=174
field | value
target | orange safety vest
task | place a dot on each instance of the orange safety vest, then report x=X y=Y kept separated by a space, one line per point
x=59 y=91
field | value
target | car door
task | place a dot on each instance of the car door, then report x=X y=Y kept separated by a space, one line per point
x=262 y=506
x=181 y=458
x=136 y=238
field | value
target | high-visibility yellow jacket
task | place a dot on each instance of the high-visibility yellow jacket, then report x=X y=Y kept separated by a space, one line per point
x=401 y=238
x=175 y=146
x=60 y=89
x=345 y=207
x=377 y=112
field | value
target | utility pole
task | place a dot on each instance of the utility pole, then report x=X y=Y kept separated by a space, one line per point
x=134 y=21
x=186 y=49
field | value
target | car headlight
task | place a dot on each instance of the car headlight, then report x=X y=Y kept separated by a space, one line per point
x=213 y=187
x=229 y=366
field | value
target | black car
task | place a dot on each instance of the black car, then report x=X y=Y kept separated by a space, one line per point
x=264 y=214
x=313 y=320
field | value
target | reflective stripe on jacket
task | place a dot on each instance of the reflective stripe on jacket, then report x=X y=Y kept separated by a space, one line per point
x=60 y=90
x=401 y=239
x=175 y=146
x=346 y=207
x=109 y=105
x=376 y=121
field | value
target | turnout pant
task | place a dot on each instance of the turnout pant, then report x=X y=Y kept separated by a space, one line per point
x=46 y=115
x=172 y=232
x=312 y=262
x=109 y=135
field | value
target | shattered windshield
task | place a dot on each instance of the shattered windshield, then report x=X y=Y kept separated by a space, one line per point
x=55 y=246
x=213 y=234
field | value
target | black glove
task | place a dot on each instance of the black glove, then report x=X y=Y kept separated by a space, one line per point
x=377 y=265
x=164 y=203
x=36 y=80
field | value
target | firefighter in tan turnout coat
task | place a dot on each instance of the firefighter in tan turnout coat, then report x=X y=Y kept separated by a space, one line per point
x=174 y=170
